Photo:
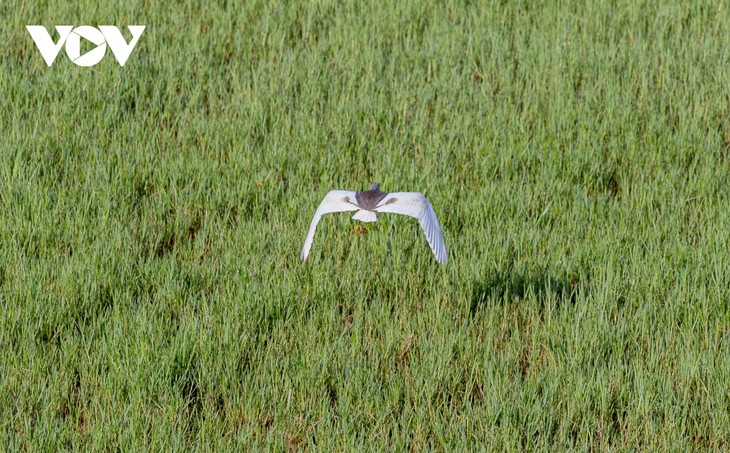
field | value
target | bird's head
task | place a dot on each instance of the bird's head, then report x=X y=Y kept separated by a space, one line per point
x=375 y=186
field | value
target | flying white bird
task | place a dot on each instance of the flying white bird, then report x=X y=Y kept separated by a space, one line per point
x=370 y=203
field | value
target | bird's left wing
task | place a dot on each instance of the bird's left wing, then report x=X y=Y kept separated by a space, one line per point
x=334 y=201
x=414 y=204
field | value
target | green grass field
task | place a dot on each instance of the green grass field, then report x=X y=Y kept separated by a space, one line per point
x=152 y=215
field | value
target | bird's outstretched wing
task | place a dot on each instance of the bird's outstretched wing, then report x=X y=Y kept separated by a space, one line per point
x=334 y=201
x=414 y=204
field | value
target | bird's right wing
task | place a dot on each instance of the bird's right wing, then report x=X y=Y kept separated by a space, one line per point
x=334 y=201
x=414 y=204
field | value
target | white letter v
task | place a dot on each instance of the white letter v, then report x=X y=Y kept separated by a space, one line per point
x=45 y=44
x=117 y=44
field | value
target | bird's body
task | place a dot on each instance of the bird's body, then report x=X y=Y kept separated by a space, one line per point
x=369 y=199
x=370 y=203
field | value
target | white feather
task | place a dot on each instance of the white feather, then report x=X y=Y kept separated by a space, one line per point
x=414 y=204
x=365 y=216
x=334 y=201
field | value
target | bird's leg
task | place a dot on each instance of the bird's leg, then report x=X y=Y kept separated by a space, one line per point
x=359 y=229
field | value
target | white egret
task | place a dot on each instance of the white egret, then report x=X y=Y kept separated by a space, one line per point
x=370 y=203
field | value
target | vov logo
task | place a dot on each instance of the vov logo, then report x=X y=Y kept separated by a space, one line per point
x=105 y=34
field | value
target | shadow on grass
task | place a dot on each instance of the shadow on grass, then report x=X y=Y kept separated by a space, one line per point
x=513 y=286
